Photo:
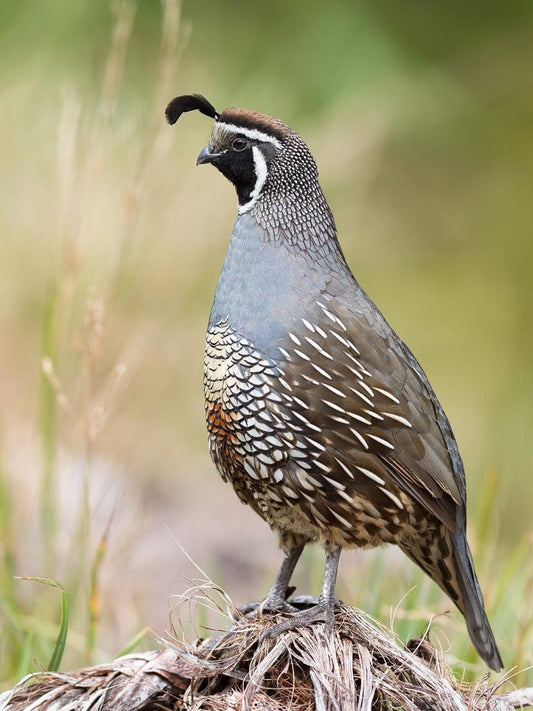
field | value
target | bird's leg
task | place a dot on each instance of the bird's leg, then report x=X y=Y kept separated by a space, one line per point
x=327 y=594
x=276 y=598
x=323 y=611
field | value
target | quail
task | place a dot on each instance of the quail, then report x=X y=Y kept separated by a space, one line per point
x=317 y=413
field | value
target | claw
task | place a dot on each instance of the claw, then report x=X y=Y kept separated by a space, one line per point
x=323 y=611
x=272 y=603
x=250 y=607
x=275 y=603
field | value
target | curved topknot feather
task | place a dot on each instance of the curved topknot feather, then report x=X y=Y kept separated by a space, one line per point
x=189 y=102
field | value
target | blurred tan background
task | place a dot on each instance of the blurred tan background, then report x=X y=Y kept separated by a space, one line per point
x=420 y=118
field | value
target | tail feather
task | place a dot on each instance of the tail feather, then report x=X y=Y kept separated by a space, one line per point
x=472 y=605
x=448 y=561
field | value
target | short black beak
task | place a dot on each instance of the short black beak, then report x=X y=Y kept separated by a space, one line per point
x=205 y=156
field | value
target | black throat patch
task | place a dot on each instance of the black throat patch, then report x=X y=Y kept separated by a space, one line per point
x=239 y=168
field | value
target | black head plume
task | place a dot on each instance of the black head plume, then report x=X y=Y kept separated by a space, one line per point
x=189 y=102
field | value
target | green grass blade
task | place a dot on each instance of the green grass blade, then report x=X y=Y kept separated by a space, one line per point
x=94 y=594
x=60 y=643
x=134 y=642
x=59 y=647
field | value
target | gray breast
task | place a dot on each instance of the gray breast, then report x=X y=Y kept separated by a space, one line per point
x=265 y=284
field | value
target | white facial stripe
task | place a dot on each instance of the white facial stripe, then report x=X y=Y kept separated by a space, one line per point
x=251 y=133
x=261 y=171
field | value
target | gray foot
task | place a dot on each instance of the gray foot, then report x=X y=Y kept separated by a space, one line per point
x=323 y=611
x=272 y=603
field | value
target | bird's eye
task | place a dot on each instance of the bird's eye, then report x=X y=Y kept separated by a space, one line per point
x=239 y=144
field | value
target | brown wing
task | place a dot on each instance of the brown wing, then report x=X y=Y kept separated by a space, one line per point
x=372 y=407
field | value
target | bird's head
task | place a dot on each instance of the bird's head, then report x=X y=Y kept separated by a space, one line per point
x=254 y=151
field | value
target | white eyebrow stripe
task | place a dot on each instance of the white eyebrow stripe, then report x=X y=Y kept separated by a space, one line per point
x=251 y=133
x=261 y=172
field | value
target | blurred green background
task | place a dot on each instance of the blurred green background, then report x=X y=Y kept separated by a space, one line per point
x=420 y=117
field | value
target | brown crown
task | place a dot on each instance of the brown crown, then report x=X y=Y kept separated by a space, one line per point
x=252 y=119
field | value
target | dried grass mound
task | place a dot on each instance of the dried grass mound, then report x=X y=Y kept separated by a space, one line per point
x=359 y=667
